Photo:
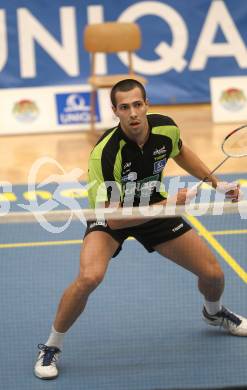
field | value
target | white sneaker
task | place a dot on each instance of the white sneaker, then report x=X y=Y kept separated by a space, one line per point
x=233 y=323
x=45 y=367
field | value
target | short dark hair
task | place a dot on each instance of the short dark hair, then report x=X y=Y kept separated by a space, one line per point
x=124 y=86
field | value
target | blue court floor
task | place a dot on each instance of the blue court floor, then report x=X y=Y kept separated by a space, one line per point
x=142 y=328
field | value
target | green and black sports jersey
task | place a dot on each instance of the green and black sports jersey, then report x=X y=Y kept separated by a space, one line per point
x=119 y=170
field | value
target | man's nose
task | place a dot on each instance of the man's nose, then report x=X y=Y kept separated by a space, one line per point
x=132 y=112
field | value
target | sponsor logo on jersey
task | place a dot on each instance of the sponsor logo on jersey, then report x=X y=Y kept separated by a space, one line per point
x=157 y=152
x=159 y=165
x=159 y=157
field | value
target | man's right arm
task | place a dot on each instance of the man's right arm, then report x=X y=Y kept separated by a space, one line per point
x=183 y=195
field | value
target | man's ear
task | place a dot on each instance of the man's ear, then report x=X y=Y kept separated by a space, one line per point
x=114 y=110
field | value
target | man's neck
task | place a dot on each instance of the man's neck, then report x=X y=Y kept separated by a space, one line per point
x=139 y=139
x=142 y=139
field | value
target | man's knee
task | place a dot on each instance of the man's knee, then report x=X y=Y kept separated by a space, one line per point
x=88 y=280
x=213 y=275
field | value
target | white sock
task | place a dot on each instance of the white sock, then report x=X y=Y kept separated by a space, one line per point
x=212 y=307
x=55 y=339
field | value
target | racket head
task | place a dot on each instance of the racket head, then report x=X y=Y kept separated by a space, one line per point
x=235 y=143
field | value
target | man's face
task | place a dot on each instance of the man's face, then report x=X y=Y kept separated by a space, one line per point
x=131 y=110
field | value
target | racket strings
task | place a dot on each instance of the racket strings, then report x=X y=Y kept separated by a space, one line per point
x=236 y=144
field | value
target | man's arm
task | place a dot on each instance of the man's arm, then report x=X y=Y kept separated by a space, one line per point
x=189 y=161
x=183 y=195
x=122 y=223
x=192 y=164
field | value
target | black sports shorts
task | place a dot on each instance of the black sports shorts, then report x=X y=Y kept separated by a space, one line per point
x=149 y=234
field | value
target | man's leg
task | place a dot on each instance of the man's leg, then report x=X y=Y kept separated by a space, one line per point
x=97 y=249
x=192 y=253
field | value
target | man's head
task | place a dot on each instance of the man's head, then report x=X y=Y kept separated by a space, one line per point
x=130 y=105
x=125 y=86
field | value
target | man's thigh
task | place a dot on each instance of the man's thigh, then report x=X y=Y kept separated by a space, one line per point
x=190 y=252
x=97 y=249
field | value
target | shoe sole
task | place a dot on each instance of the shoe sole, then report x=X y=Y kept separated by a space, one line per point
x=44 y=377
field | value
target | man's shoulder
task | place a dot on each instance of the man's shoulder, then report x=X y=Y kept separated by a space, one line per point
x=107 y=135
x=107 y=143
x=157 y=120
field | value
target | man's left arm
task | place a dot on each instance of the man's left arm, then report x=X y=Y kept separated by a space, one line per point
x=192 y=164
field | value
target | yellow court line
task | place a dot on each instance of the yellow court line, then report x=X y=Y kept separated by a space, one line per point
x=39 y=243
x=219 y=248
x=43 y=243
x=223 y=232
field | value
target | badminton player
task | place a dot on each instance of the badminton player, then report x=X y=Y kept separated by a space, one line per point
x=132 y=158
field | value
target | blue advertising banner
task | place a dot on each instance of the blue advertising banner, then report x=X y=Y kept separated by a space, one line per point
x=184 y=43
x=74 y=108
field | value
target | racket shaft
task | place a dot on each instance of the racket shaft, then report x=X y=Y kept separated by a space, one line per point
x=218 y=166
x=198 y=185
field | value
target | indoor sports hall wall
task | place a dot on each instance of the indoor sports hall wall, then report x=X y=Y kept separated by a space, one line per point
x=184 y=45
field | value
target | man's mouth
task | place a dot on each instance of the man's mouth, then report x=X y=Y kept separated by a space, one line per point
x=134 y=123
